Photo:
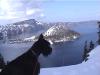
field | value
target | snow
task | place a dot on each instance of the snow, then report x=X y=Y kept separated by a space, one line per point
x=50 y=42
x=74 y=37
x=54 y=29
x=30 y=38
x=26 y=25
x=91 y=67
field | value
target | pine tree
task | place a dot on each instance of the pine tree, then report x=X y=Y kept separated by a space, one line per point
x=2 y=64
x=85 y=55
x=91 y=46
x=98 y=33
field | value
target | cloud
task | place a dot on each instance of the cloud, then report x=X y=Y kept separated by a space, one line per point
x=14 y=9
x=32 y=11
x=42 y=15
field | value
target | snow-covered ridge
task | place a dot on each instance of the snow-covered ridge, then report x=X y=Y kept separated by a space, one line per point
x=20 y=30
x=91 y=67
x=57 y=33
x=60 y=33
x=53 y=30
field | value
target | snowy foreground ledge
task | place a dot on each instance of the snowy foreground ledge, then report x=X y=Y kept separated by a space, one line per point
x=91 y=67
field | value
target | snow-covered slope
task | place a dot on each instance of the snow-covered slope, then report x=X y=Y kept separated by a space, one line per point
x=81 y=27
x=55 y=29
x=20 y=30
x=91 y=67
x=59 y=33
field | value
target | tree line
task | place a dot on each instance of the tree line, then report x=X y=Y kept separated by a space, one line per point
x=91 y=45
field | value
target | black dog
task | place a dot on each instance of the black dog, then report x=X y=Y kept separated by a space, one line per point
x=27 y=64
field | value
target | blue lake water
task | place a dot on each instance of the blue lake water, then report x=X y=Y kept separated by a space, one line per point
x=68 y=53
x=63 y=54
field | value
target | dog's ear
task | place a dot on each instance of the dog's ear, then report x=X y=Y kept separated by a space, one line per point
x=41 y=37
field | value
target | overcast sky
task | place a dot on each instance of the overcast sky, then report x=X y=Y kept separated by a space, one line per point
x=49 y=10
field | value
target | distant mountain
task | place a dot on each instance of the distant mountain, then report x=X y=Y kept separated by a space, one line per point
x=29 y=22
x=59 y=33
x=48 y=25
x=21 y=29
x=55 y=31
x=81 y=27
x=72 y=24
x=30 y=26
x=84 y=26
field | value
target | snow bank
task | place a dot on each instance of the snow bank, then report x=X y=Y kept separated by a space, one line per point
x=91 y=67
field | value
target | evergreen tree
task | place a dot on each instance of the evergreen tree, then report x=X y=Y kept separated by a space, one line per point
x=91 y=46
x=85 y=55
x=98 y=33
x=2 y=64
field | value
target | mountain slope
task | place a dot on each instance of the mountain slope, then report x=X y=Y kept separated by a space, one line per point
x=21 y=29
x=58 y=33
